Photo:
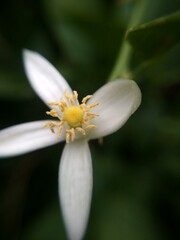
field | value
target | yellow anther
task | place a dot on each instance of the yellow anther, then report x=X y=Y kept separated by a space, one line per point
x=81 y=130
x=50 y=125
x=75 y=94
x=71 y=99
x=70 y=135
x=62 y=106
x=66 y=94
x=86 y=98
x=90 y=126
x=92 y=114
x=53 y=103
x=89 y=116
x=53 y=113
x=92 y=105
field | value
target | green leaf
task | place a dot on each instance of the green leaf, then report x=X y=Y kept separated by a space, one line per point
x=154 y=38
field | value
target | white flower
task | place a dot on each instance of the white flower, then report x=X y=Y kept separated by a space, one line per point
x=112 y=105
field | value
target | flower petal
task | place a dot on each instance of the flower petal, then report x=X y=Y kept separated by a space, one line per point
x=75 y=187
x=118 y=100
x=26 y=137
x=47 y=82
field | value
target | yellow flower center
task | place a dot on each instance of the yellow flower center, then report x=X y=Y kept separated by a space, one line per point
x=74 y=117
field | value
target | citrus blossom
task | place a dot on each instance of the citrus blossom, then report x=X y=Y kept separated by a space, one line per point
x=97 y=115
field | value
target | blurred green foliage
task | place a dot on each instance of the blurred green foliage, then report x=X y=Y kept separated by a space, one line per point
x=136 y=170
x=157 y=37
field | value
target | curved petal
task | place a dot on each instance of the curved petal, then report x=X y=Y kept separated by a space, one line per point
x=47 y=82
x=117 y=101
x=75 y=187
x=26 y=137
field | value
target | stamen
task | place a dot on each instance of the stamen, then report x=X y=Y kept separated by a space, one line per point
x=71 y=115
x=90 y=126
x=72 y=100
x=53 y=113
x=86 y=98
x=50 y=125
x=91 y=115
x=53 y=104
x=66 y=94
x=100 y=141
x=85 y=121
x=62 y=106
x=81 y=130
x=70 y=135
x=67 y=137
x=92 y=105
x=75 y=94
x=59 y=131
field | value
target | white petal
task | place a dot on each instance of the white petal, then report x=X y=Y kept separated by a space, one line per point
x=75 y=187
x=25 y=138
x=47 y=82
x=118 y=100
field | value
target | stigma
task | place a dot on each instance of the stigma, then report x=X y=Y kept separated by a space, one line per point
x=73 y=117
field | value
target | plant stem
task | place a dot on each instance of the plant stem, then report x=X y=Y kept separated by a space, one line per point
x=121 y=67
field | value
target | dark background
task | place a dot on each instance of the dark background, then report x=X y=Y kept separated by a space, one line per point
x=136 y=193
